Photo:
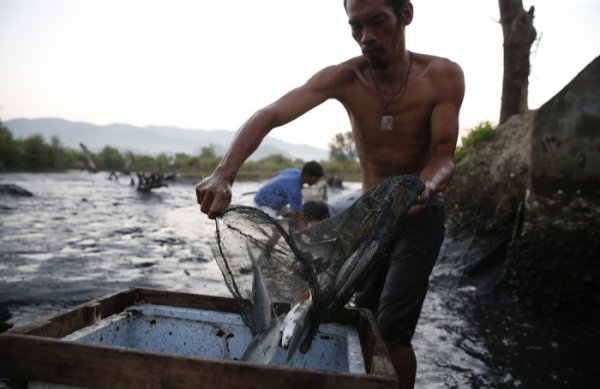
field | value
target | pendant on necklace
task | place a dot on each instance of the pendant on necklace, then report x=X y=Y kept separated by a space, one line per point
x=386 y=123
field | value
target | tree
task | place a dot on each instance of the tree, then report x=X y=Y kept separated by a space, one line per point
x=519 y=35
x=184 y=162
x=341 y=147
x=9 y=149
x=111 y=159
x=36 y=153
x=208 y=152
x=164 y=162
x=59 y=155
x=208 y=159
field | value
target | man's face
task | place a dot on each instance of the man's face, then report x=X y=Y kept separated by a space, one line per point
x=311 y=180
x=376 y=29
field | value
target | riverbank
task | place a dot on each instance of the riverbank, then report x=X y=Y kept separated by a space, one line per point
x=536 y=255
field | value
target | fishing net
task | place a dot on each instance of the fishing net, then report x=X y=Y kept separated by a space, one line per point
x=330 y=259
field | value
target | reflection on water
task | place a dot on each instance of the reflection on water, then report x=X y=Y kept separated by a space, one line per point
x=83 y=236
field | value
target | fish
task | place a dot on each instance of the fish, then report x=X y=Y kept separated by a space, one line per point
x=263 y=347
x=294 y=316
x=306 y=326
x=261 y=300
x=307 y=323
x=266 y=324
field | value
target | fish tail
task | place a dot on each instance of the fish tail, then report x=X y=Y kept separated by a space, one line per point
x=253 y=259
x=305 y=345
x=256 y=261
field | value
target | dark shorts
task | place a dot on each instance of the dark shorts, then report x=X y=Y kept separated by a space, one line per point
x=396 y=288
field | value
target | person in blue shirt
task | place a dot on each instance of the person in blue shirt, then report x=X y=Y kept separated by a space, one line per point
x=285 y=189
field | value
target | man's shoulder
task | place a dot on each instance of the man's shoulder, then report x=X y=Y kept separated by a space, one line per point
x=343 y=72
x=290 y=171
x=354 y=63
x=444 y=75
x=438 y=66
x=288 y=174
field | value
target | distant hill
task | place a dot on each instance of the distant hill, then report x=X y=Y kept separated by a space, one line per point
x=152 y=139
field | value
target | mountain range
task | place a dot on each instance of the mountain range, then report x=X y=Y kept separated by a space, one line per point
x=151 y=140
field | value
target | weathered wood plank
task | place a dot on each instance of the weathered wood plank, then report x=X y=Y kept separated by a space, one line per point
x=80 y=316
x=187 y=300
x=24 y=357
x=377 y=360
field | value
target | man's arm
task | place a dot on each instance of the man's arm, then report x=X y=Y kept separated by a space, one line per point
x=444 y=133
x=214 y=192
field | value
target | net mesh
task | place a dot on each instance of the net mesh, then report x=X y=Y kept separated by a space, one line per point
x=330 y=259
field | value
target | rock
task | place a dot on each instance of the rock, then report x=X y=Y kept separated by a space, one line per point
x=553 y=264
x=528 y=202
x=565 y=150
x=14 y=190
x=491 y=180
x=4 y=316
x=5 y=326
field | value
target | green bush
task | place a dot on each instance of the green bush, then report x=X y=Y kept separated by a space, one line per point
x=348 y=170
x=110 y=159
x=482 y=131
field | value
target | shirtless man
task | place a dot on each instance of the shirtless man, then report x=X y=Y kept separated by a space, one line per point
x=403 y=108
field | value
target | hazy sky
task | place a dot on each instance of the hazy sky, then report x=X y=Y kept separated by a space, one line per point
x=210 y=64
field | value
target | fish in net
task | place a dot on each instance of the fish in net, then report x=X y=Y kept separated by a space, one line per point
x=317 y=268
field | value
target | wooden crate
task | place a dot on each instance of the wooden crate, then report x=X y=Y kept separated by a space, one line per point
x=35 y=352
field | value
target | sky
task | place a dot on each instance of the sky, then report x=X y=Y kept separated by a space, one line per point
x=209 y=65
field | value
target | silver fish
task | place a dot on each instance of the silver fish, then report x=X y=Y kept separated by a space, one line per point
x=266 y=324
x=263 y=347
x=302 y=330
x=261 y=300
x=307 y=324
x=296 y=315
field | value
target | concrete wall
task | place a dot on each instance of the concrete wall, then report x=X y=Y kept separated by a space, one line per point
x=565 y=151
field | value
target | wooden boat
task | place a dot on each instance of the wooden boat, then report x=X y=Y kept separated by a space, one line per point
x=152 y=338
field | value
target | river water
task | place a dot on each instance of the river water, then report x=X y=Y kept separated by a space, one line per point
x=82 y=236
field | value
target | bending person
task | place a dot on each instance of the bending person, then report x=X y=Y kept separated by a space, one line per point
x=282 y=194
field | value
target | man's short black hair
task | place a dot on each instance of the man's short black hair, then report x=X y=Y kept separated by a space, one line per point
x=315 y=211
x=313 y=168
x=395 y=4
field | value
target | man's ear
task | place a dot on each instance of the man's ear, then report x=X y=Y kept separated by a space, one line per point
x=407 y=13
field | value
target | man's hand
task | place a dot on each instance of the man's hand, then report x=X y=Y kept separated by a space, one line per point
x=213 y=195
x=298 y=216
x=421 y=201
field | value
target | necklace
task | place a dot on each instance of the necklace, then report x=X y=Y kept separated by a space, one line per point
x=386 y=122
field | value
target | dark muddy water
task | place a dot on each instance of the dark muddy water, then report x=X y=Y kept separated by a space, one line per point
x=82 y=236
